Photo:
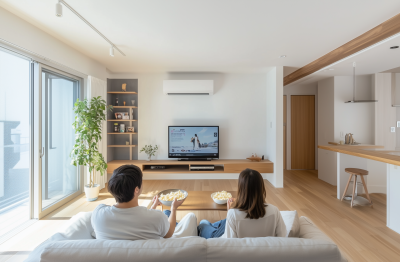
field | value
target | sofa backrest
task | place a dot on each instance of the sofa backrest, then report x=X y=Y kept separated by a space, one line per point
x=75 y=243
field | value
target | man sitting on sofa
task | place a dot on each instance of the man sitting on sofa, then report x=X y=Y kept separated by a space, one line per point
x=126 y=220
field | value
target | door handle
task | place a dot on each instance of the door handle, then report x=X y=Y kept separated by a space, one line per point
x=41 y=154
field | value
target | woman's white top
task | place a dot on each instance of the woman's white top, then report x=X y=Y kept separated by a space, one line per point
x=238 y=226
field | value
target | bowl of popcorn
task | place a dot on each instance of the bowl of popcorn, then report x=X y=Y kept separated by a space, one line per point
x=221 y=197
x=167 y=196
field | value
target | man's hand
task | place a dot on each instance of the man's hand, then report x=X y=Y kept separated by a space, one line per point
x=176 y=203
x=229 y=203
x=156 y=202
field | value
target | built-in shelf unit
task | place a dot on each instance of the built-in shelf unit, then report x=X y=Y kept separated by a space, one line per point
x=116 y=141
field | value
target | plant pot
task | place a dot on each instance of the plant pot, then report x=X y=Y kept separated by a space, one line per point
x=92 y=193
x=149 y=158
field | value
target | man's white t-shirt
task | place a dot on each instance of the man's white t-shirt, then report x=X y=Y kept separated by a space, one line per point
x=238 y=226
x=135 y=223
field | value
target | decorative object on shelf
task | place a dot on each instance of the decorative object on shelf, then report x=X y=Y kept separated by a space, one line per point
x=118 y=116
x=121 y=115
x=124 y=87
x=262 y=158
x=254 y=158
x=127 y=143
x=122 y=128
x=116 y=127
x=116 y=102
x=133 y=102
x=131 y=129
x=349 y=140
x=149 y=150
x=132 y=114
x=124 y=103
x=90 y=115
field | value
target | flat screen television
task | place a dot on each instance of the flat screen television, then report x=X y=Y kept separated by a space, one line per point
x=193 y=142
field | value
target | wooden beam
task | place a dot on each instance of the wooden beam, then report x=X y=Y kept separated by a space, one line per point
x=373 y=36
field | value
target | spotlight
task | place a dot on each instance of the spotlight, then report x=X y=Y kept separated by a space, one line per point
x=59 y=11
x=111 y=51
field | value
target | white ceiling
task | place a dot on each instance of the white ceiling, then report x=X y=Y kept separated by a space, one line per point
x=206 y=35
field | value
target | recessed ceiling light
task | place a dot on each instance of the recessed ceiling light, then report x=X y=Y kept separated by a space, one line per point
x=394 y=47
x=282 y=56
x=329 y=69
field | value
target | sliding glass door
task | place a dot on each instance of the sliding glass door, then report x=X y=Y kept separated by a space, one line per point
x=60 y=180
x=15 y=130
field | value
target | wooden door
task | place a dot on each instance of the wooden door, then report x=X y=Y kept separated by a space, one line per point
x=284 y=130
x=303 y=132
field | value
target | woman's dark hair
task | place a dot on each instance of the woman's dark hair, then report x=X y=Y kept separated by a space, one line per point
x=195 y=134
x=251 y=194
x=123 y=182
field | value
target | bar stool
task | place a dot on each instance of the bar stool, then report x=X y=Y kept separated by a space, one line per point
x=356 y=172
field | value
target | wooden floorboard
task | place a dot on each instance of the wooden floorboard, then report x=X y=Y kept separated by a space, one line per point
x=360 y=232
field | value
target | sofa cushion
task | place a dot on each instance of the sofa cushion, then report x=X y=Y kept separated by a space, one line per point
x=310 y=231
x=191 y=249
x=272 y=249
x=292 y=223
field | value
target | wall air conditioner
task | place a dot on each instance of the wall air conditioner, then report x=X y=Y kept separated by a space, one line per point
x=188 y=87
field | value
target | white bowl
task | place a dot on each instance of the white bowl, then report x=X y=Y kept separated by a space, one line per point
x=169 y=203
x=220 y=202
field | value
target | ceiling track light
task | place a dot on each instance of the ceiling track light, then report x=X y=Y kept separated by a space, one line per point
x=59 y=14
x=59 y=11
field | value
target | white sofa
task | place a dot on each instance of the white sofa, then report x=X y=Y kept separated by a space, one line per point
x=75 y=243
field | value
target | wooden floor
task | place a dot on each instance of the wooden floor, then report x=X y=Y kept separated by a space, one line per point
x=360 y=232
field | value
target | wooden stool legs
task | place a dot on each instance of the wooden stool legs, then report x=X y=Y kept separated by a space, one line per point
x=354 y=189
x=347 y=186
x=366 y=190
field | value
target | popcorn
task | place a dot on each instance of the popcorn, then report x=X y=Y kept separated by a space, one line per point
x=223 y=195
x=179 y=195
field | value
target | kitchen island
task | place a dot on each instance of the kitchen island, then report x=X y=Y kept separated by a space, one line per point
x=384 y=174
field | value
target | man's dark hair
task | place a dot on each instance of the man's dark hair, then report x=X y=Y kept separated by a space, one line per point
x=123 y=182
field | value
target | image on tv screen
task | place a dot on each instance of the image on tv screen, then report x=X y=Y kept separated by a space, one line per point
x=193 y=141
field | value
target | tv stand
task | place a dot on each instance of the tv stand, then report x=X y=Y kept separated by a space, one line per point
x=194 y=159
x=174 y=167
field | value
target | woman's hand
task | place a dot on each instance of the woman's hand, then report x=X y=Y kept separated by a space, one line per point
x=229 y=203
x=156 y=202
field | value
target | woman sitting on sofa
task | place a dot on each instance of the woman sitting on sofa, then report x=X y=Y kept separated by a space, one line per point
x=248 y=215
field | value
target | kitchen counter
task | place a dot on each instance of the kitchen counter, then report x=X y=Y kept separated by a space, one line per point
x=382 y=165
x=372 y=152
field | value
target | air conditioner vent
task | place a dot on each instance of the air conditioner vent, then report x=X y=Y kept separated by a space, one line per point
x=188 y=87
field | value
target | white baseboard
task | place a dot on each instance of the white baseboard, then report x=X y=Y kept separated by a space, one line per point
x=377 y=189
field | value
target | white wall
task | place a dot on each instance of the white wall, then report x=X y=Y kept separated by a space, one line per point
x=310 y=89
x=23 y=34
x=336 y=117
x=385 y=114
x=326 y=127
x=274 y=101
x=237 y=107
x=355 y=118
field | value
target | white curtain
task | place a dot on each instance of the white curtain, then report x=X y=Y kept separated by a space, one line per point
x=98 y=87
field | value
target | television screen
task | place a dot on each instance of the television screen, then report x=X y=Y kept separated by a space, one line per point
x=193 y=141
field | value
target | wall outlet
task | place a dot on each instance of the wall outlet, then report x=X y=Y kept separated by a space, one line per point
x=398 y=123
x=392 y=129
x=341 y=134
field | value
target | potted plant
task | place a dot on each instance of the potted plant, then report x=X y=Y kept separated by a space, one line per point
x=150 y=151
x=89 y=116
